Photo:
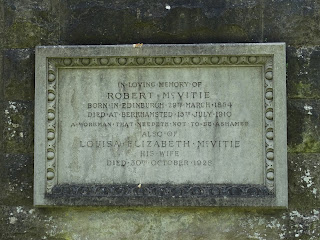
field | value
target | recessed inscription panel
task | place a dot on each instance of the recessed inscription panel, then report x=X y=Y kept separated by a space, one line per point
x=161 y=125
x=164 y=125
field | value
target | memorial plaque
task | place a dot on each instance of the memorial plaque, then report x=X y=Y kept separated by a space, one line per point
x=161 y=125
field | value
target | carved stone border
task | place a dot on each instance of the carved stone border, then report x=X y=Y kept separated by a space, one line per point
x=159 y=190
x=266 y=62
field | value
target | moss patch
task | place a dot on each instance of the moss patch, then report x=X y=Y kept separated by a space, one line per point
x=24 y=35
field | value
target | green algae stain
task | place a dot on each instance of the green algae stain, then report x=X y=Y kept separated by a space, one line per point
x=63 y=236
x=24 y=35
x=302 y=90
x=309 y=145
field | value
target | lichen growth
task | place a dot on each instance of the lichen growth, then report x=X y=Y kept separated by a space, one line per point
x=302 y=90
x=24 y=34
x=310 y=144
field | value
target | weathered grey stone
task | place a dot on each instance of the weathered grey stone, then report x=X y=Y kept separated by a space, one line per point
x=304 y=204
x=19 y=74
x=292 y=21
x=25 y=222
x=29 y=23
x=160 y=22
x=182 y=223
x=16 y=179
x=303 y=225
x=1 y=76
x=17 y=127
x=201 y=129
x=142 y=223
x=128 y=143
x=1 y=126
x=303 y=170
x=303 y=72
x=1 y=102
x=1 y=25
x=303 y=130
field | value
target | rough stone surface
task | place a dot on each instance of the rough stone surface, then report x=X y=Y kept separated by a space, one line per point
x=160 y=22
x=25 y=222
x=1 y=102
x=27 y=23
x=295 y=22
x=1 y=74
x=19 y=74
x=177 y=224
x=303 y=128
x=304 y=180
x=304 y=185
x=1 y=25
x=16 y=179
x=18 y=127
x=303 y=72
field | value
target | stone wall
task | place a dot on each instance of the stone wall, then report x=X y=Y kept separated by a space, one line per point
x=25 y=24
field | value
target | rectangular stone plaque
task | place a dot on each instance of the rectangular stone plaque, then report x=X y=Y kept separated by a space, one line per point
x=161 y=125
